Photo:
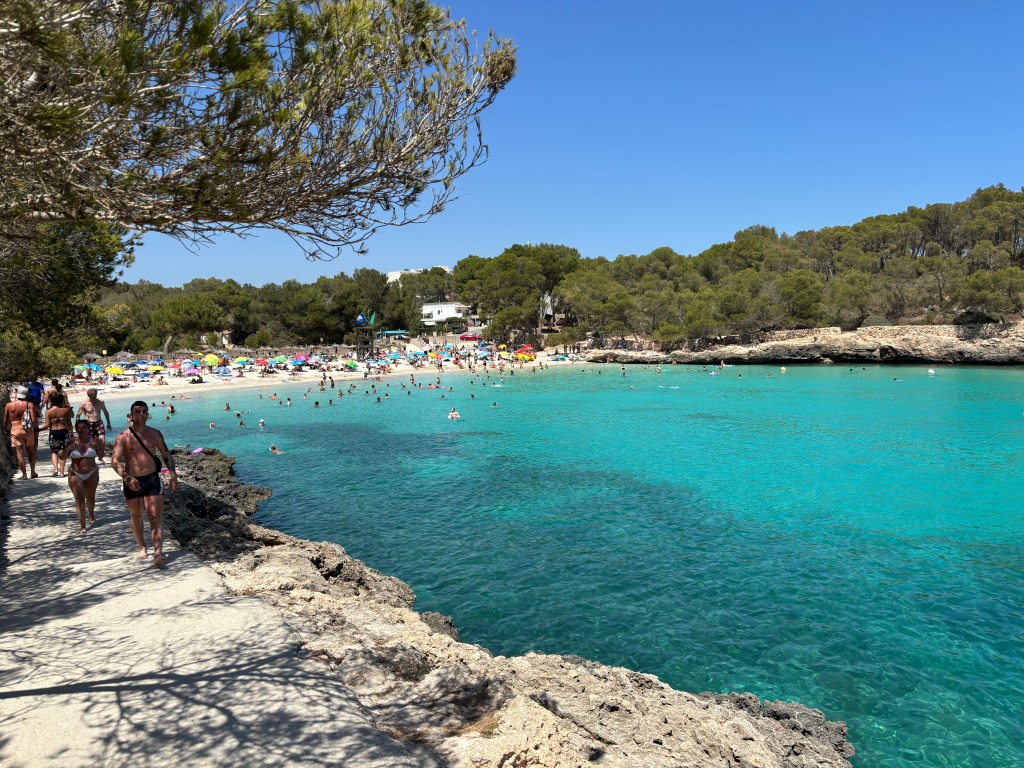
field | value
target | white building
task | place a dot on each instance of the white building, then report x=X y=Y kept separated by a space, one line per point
x=398 y=274
x=438 y=312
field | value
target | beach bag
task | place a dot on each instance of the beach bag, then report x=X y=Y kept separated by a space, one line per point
x=26 y=418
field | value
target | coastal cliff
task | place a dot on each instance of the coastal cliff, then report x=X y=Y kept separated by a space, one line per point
x=993 y=344
x=469 y=707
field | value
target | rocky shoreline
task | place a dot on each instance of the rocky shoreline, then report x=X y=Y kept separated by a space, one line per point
x=993 y=344
x=468 y=707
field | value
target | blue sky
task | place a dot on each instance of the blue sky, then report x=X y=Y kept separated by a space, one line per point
x=632 y=126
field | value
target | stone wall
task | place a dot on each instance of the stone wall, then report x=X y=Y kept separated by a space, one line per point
x=967 y=332
x=803 y=334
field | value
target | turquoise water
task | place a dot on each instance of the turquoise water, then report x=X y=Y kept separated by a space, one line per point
x=827 y=535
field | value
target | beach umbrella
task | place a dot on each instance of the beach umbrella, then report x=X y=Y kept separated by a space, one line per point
x=93 y=367
x=211 y=359
x=115 y=369
x=351 y=364
x=156 y=368
x=280 y=359
x=189 y=370
x=302 y=357
x=241 y=360
x=261 y=361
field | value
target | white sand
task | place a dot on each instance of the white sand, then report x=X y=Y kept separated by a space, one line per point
x=177 y=386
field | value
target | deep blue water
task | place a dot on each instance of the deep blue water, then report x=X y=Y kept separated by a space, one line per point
x=825 y=535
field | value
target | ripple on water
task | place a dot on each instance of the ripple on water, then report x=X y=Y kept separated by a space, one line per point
x=828 y=536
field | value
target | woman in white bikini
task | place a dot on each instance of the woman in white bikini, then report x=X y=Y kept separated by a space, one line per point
x=84 y=475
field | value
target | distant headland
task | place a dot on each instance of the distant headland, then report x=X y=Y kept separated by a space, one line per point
x=989 y=344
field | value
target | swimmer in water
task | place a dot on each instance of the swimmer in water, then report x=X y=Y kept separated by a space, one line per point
x=275 y=449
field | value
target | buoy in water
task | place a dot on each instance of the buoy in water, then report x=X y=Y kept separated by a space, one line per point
x=931 y=371
x=783 y=369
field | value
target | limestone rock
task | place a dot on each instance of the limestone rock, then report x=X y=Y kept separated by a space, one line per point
x=993 y=344
x=473 y=709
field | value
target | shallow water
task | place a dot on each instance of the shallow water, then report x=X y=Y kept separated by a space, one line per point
x=829 y=536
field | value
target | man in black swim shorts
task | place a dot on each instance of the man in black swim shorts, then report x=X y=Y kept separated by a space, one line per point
x=136 y=461
x=93 y=410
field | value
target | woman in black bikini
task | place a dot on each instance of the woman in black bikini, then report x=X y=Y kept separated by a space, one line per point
x=58 y=421
x=84 y=475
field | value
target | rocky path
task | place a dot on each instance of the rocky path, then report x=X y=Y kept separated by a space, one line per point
x=108 y=662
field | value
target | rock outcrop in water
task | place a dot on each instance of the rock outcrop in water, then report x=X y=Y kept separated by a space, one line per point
x=994 y=344
x=470 y=707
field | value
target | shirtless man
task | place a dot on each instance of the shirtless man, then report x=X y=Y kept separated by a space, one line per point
x=21 y=441
x=92 y=410
x=135 y=460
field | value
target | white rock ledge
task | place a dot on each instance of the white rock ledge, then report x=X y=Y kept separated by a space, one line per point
x=468 y=707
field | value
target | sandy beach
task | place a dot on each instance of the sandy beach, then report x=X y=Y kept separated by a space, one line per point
x=179 y=387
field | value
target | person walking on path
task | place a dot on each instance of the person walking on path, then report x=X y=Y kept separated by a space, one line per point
x=95 y=411
x=35 y=394
x=20 y=422
x=84 y=476
x=58 y=422
x=135 y=460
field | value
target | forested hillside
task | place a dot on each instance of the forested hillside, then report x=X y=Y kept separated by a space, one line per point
x=946 y=262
